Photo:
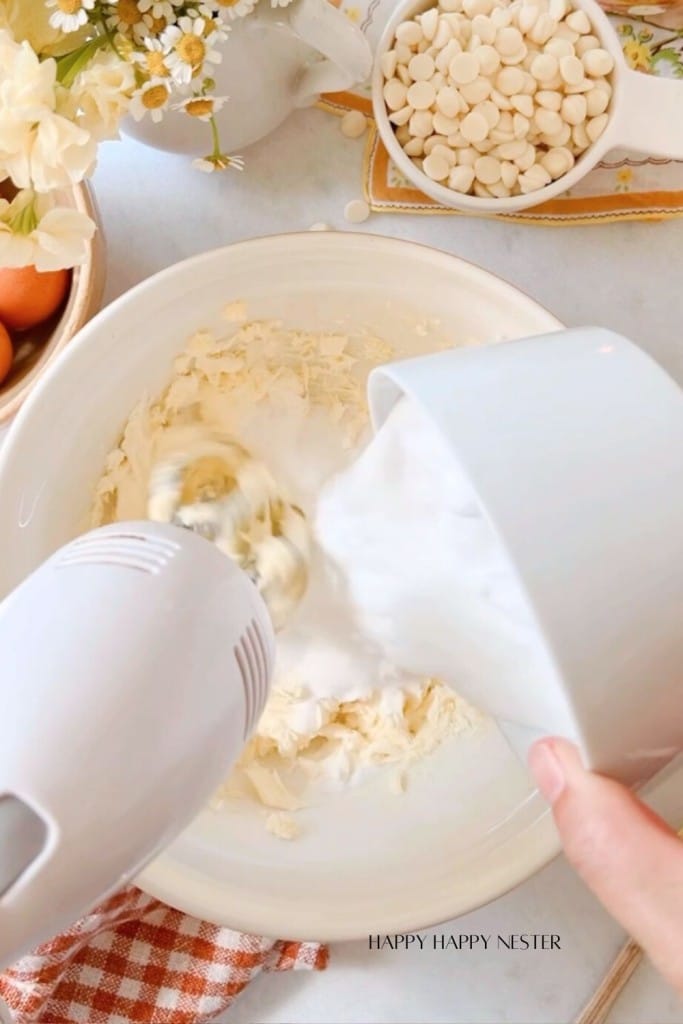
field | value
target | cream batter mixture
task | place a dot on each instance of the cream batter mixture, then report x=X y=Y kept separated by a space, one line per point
x=296 y=400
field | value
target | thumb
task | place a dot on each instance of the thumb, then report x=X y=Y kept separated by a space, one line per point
x=628 y=857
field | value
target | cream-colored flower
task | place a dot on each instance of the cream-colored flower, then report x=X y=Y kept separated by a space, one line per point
x=127 y=18
x=34 y=232
x=237 y=8
x=202 y=107
x=40 y=148
x=190 y=49
x=152 y=58
x=102 y=93
x=218 y=162
x=158 y=9
x=30 y=22
x=70 y=15
x=280 y=3
x=152 y=100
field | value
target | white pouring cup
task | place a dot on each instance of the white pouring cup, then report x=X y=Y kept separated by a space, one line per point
x=645 y=116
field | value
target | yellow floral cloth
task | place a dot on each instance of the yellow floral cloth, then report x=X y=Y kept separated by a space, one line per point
x=625 y=186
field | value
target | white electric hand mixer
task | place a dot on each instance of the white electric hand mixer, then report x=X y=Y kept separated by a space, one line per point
x=117 y=731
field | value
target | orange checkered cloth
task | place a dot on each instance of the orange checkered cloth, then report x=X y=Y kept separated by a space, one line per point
x=134 y=959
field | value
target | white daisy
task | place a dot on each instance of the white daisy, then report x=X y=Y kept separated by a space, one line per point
x=190 y=49
x=70 y=15
x=202 y=107
x=152 y=99
x=158 y=9
x=218 y=162
x=235 y=8
x=152 y=59
x=33 y=231
x=127 y=18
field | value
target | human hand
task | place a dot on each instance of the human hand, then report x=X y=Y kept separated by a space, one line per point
x=627 y=856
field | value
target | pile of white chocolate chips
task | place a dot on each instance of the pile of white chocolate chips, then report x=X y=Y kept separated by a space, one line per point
x=497 y=99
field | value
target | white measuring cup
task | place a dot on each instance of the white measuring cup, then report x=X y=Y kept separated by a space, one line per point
x=645 y=116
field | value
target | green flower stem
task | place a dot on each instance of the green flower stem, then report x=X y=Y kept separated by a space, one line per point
x=215 y=135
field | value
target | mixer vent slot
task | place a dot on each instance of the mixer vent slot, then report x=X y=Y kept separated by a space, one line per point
x=125 y=550
x=254 y=663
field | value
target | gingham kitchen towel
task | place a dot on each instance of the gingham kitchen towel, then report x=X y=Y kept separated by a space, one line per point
x=134 y=959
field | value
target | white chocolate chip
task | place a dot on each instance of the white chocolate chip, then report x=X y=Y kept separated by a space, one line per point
x=511 y=150
x=520 y=126
x=409 y=33
x=320 y=226
x=535 y=177
x=403 y=53
x=501 y=17
x=403 y=134
x=502 y=102
x=421 y=67
x=557 y=162
x=443 y=35
x=510 y=81
x=458 y=141
x=445 y=125
x=559 y=48
x=356 y=211
x=464 y=68
x=429 y=22
x=509 y=41
x=438 y=81
x=354 y=124
x=598 y=62
x=448 y=101
x=395 y=94
x=489 y=60
x=474 y=7
x=487 y=170
x=578 y=21
x=560 y=138
x=432 y=141
x=527 y=18
x=547 y=121
x=436 y=167
x=402 y=73
x=548 y=100
x=468 y=157
x=586 y=43
x=580 y=136
x=474 y=127
x=571 y=70
x=489 y=111
x=499 y=190
x=544 y=67
x=414 y=147
x=421 y=95
x=574 y=109
x=596 y=102
x=526 y=160
x=388 y=62
x=523 y=105
x=444 y=150
x=461 y=178
x=543 y=29
x=444 y=58
x=508 y=174
x=476 y=91
x=596 y=126
x=558 y=9
x=402 y=116
x=421 y=124
x=481 y=190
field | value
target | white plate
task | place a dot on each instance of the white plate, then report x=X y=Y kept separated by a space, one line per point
x=470 y=825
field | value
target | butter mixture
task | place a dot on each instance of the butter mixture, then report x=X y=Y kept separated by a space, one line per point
x=296 y=401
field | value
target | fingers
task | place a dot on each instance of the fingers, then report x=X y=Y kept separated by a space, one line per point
x=629 y=857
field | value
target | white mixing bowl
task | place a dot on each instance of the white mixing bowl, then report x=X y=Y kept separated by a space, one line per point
x=470 y=825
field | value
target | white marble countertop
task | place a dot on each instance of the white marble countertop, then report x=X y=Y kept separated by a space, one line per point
x=156 y=210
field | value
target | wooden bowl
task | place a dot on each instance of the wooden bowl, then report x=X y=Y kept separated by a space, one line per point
x=36 y=349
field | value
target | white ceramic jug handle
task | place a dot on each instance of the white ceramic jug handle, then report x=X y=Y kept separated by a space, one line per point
x=652 y=118
x=348 y=58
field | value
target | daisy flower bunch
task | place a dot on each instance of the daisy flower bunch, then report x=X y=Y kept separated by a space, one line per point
x=70 y=70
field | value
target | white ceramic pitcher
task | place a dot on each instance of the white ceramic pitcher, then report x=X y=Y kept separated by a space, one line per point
x=274 y=62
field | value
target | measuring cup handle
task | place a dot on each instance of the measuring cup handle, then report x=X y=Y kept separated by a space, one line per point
x=348 y=58
x=653 y=118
